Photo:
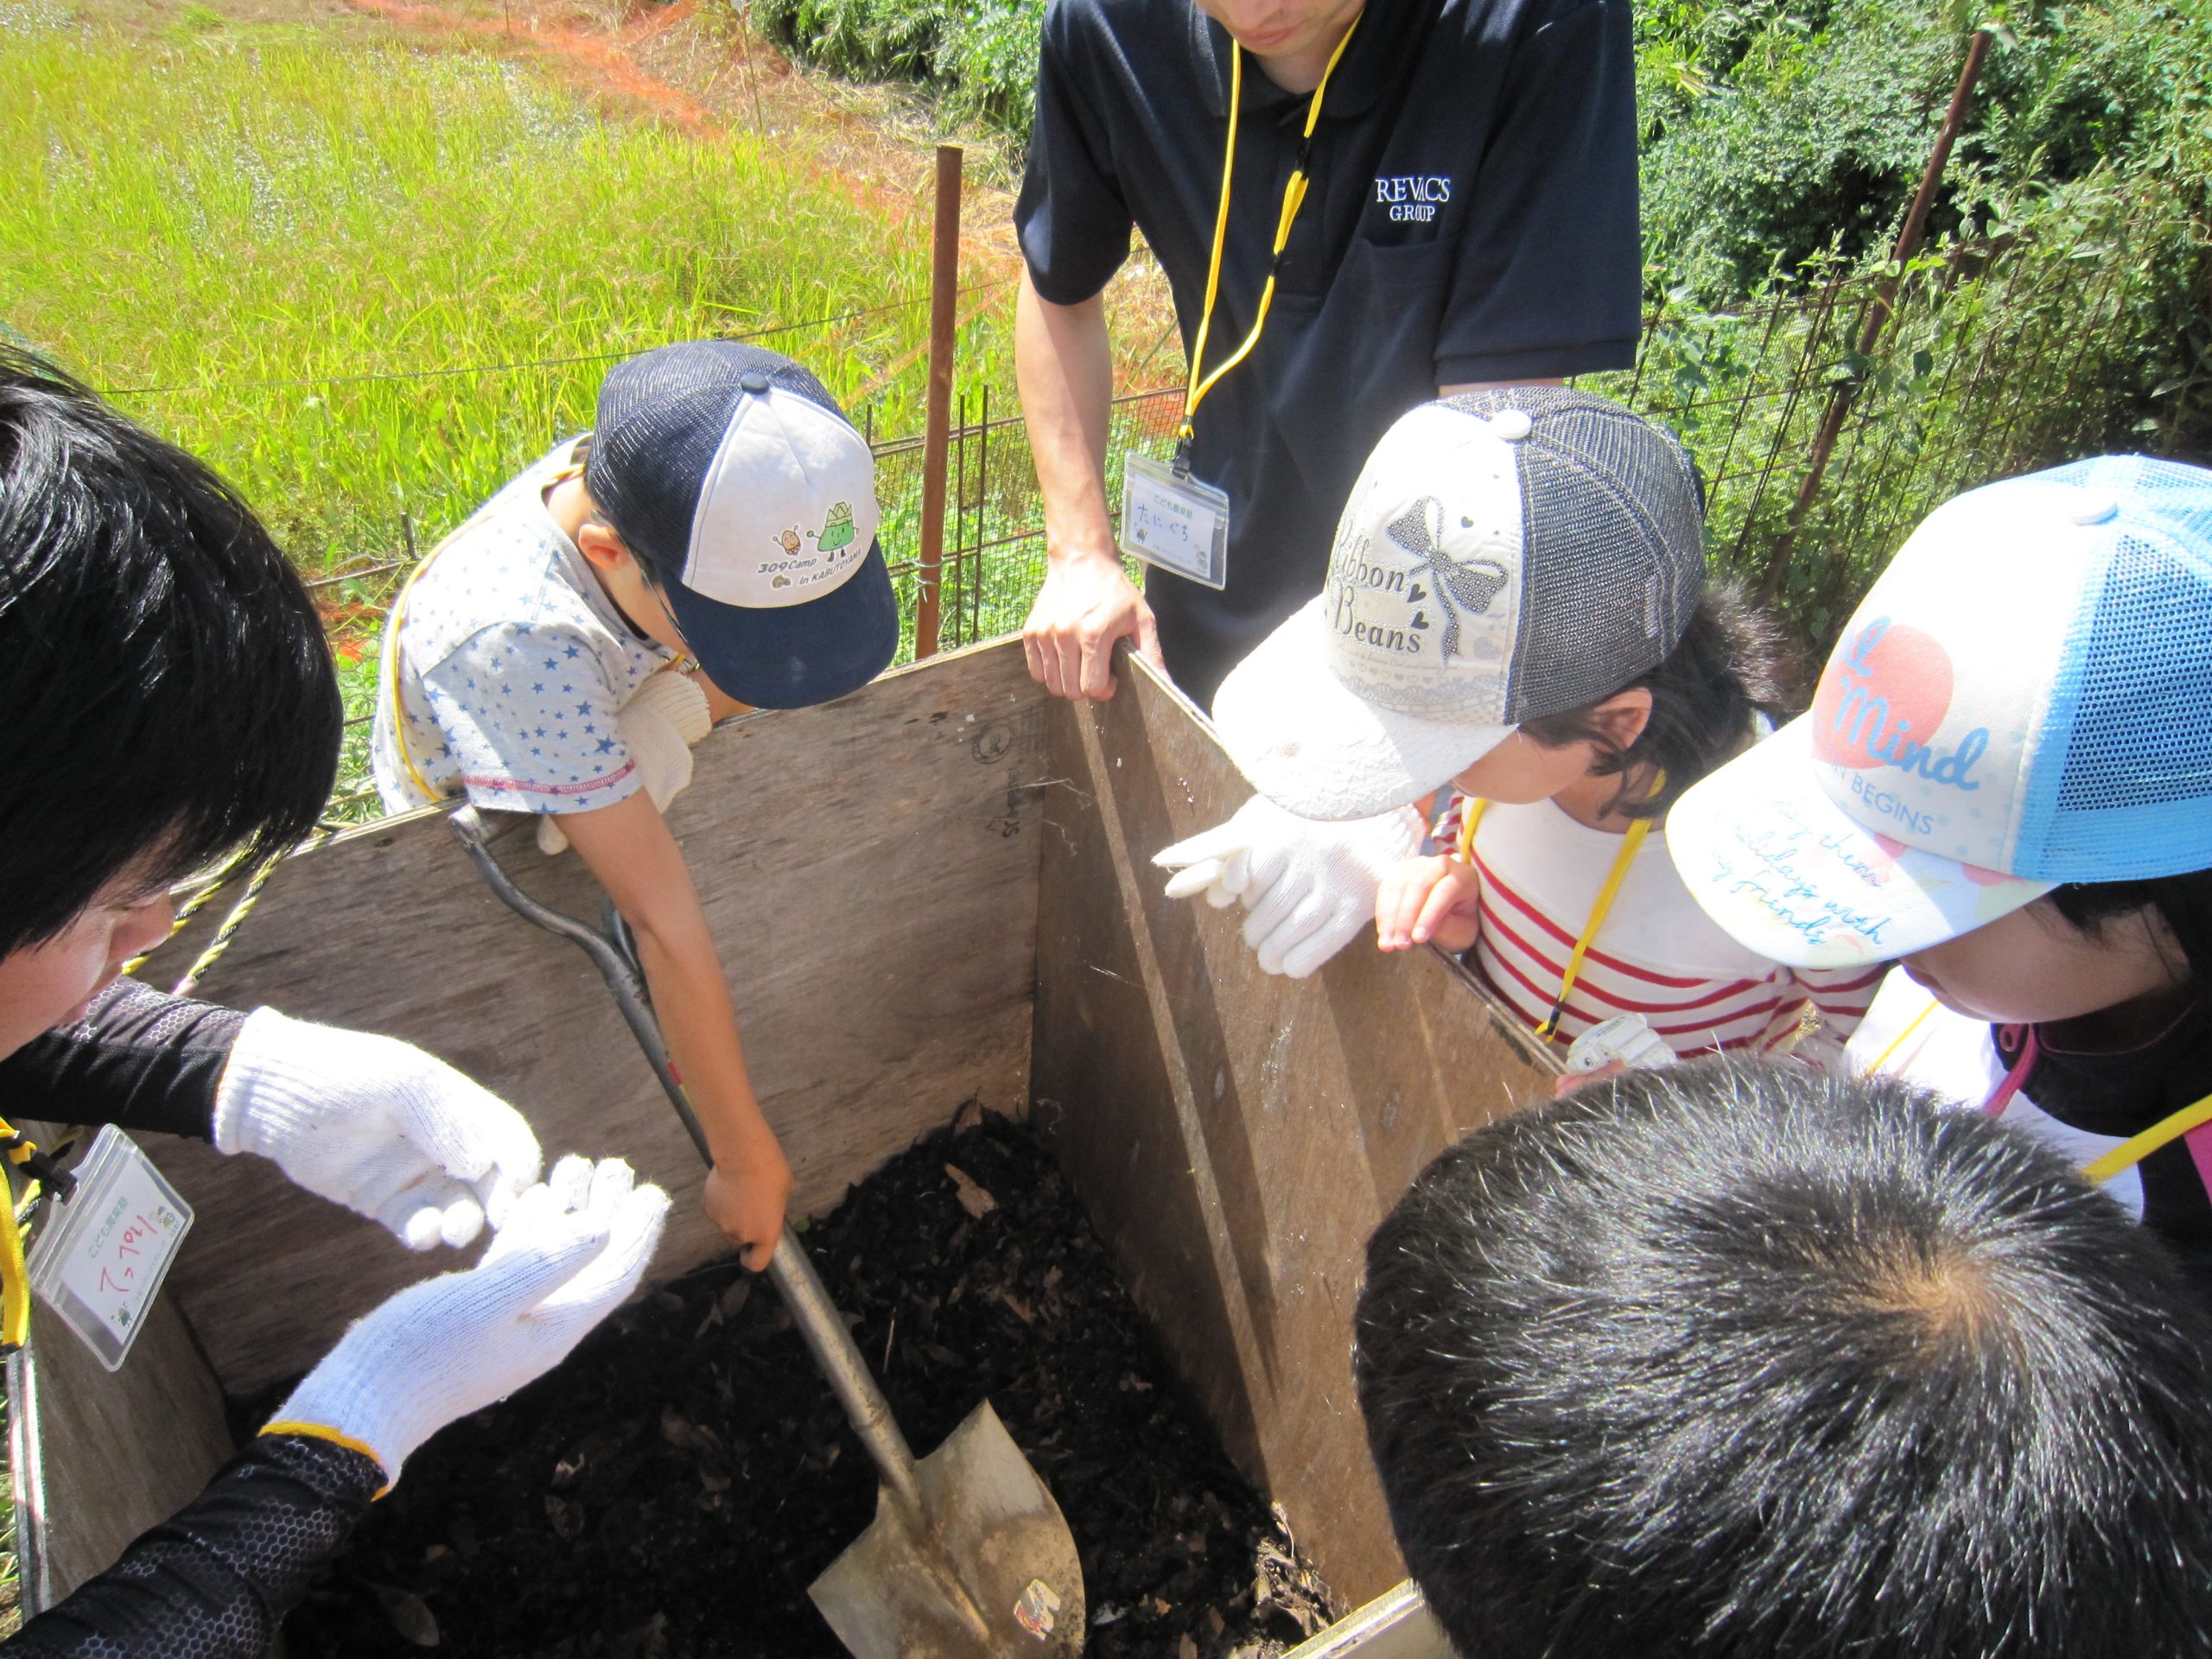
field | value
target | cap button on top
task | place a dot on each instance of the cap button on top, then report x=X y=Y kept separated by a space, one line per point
x=2094 y=507
x=753 y=380
x=1512 y=424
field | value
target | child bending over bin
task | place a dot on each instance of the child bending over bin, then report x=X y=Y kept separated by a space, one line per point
x=2005 y=783
x=1737 y=1361
x=1516 y=605
x=709 y=546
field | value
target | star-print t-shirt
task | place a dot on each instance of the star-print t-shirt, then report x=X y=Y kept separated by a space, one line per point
x=512 y=662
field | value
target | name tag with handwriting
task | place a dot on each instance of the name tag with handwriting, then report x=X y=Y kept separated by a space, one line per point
x=1175 y=521
x=103 y=1251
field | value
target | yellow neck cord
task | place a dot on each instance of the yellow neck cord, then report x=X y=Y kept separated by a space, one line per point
x=1631 y=842
x=2126 y=1155
x=14 y=1274
x=1294 y=197
x=1898 y=1041
x=2137 y=1147
x=391 y=677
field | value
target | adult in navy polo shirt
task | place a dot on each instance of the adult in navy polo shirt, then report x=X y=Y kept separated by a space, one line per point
x=1470 y=218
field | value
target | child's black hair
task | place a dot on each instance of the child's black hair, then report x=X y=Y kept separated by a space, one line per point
x=169 y=692
x=1705 y=696
x=1728 y=1361
x=2184 y=901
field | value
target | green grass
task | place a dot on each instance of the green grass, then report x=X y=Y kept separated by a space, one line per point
x=246 y=239
x=368 y=280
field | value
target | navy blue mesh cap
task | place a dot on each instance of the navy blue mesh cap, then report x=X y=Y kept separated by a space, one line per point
x=730 y=472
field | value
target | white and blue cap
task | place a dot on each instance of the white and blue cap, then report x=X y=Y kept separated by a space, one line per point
x=2024 y=698
x=731 y=473
x=1505 y=555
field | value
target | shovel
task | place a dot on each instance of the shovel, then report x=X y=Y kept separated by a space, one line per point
x=968 y=1556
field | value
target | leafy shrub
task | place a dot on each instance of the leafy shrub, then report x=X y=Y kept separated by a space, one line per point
x=988 y=54
x=875 y=39
x=1779 y=136
x=979 y=56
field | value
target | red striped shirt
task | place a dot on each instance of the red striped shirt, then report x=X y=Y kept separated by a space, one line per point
x=1658 y=954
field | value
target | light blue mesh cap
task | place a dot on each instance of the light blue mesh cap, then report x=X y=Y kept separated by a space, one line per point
x=2024 y=698
x=2124 y=789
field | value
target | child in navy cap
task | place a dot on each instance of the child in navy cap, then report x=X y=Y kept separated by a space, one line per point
x=710 y=547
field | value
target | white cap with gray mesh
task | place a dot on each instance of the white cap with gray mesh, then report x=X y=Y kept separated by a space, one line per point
x=1505 y=555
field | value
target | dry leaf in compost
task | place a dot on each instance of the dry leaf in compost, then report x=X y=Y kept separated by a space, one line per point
x=973 y=1199
x=568 y=1518
x=409 y=1615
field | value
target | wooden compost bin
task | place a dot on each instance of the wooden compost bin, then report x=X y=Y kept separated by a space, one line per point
x=934 y=890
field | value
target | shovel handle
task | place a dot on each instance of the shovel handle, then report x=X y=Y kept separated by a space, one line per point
x=607 y=951
x=802 y=1289
x=847 y=1374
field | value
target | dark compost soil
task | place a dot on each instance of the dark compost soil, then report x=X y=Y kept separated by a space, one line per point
x=672 y=1489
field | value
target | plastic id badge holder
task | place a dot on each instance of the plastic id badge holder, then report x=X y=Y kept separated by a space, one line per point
x=102 y=1257
x=1175 y=521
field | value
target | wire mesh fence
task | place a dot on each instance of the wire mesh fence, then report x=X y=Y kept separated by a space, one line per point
x=1990 y=358
x=993 y=558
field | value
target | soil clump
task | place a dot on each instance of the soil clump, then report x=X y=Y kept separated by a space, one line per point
x=671 y=1491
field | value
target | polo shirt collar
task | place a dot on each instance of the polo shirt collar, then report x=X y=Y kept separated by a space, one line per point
x=1387 y=30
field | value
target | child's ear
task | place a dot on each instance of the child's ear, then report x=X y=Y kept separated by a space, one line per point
x=598 y=543
x=1623 y=715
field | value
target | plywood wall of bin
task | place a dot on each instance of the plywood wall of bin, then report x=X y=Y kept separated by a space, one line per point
x=1236 y=1136
x=870 y=872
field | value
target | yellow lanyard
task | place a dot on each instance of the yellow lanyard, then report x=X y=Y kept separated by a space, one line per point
x=1471 y=814
x=2137 y=1147
x=1294 y=197
x=1898 y=1041
x=15 y=1274
x=393 y=670
x=2126 y=1155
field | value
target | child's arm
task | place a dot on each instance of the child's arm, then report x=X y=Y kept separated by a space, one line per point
x=630 y=850
x=1427 y=901
x=720 y=704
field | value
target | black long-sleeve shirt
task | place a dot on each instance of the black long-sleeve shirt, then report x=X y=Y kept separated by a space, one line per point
x=215 y=1579
x=137 y=1058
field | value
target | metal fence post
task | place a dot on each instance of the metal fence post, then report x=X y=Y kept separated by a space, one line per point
x=1878 y=312
x=945 y=290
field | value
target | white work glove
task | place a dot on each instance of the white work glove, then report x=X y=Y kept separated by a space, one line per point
x=374 y=1124
x=569 y=1253
x=1309 y=886
x=663 y=718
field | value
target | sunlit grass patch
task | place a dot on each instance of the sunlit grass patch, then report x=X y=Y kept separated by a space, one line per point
x=367 y=280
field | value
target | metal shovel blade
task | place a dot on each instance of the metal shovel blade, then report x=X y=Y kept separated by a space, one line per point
x=990 y=1571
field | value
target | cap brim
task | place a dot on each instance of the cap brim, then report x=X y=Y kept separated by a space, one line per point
x=1308 y=743
x=795 y=655
x=1787 y=873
